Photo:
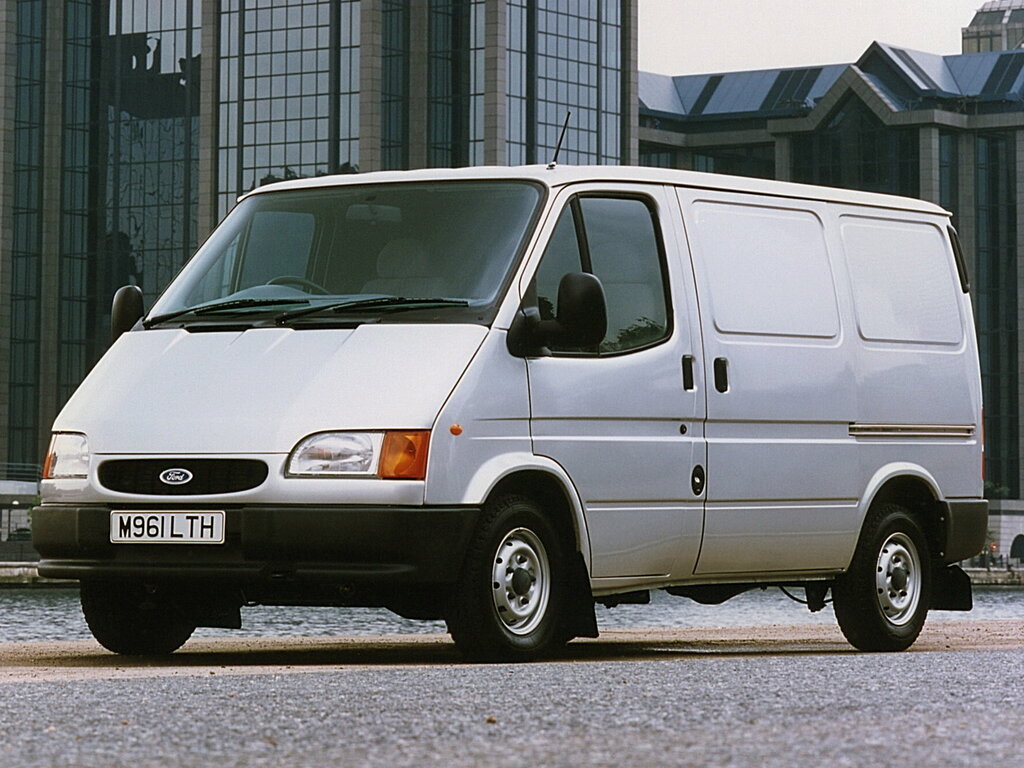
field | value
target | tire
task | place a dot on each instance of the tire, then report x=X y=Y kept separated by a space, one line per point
x=508 y=602
x=126 y=619
x=882 y=601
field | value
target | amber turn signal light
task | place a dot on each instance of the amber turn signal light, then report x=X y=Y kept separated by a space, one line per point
x=48 y=466
x=403 y=455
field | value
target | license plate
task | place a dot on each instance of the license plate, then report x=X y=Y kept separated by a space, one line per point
x=158 y=527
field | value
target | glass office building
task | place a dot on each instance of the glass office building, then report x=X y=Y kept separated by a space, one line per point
x=944 y=128
x=129 y=127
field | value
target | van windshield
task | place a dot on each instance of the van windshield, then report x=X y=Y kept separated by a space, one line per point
x=397 y=252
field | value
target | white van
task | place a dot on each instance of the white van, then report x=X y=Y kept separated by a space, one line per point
x=498 y=395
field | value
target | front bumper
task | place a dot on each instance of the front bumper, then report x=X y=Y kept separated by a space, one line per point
x=264 y=544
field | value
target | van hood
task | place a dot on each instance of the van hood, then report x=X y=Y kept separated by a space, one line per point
x=263 y=389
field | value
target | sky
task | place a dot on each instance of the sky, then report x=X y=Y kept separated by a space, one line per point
x=680 y=37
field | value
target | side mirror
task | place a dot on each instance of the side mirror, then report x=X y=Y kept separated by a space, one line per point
x=582 y=319
x=125 y=311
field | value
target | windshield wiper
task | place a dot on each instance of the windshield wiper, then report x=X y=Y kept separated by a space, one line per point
x=384 y=303
x=220 y=306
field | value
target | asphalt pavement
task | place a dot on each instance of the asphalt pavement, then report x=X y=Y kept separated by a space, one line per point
x=751 y=697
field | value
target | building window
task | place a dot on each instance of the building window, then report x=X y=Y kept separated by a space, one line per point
x=447 y=119
x=344 y=149
x=655 y=156
x=26 y=245
x=567 y=79
x=518 y=84
x=565 y=61
x=995 y=297
x=290 y=90
x=395 y=87
x=455 y=120
x=756 y=160
x=856 y=150
x=78 y=194
x=949 y=172
x=150 y=54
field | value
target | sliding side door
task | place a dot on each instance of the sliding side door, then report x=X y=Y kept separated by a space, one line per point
x=782 y=472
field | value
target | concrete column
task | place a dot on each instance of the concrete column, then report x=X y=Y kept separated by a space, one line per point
x=371 y=85
x=209 y=118
x=630 y=83
x=52 y=181
x=419 y=81
x=495 y=82
x=928 y=163
x=783 y=158
x=8 y=63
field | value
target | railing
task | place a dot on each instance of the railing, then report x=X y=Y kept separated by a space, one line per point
x=996 y=560
x=24 y=473
x=17 y=552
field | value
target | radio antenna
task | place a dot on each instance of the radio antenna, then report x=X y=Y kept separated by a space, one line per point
x=558 y=146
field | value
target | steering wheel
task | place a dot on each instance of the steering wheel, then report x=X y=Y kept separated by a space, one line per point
x=299 y=282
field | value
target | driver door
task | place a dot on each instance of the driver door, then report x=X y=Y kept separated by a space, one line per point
x=625 y=418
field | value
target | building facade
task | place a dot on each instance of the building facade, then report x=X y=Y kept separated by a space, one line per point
x=949 y=129
x=997 y=26
x=129 y=127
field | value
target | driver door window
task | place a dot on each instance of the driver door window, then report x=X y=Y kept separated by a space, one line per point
x=616 y=239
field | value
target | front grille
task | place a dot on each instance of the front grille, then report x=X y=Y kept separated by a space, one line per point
x=208 y=476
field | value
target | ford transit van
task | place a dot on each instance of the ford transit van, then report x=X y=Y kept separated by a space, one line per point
x=495 y=396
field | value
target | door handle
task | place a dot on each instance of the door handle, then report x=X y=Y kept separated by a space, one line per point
x=721 y=374
x=688 y=383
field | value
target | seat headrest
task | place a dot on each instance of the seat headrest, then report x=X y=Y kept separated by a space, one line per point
x=402 y=257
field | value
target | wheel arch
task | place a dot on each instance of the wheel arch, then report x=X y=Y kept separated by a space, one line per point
x=914 y=489
x=556 y=497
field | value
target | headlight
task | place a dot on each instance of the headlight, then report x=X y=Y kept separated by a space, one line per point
x=389 y=455
x=337 y=454
x=68 y=456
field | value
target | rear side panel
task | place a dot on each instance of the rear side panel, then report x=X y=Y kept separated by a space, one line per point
x=918 y=381
x=840 y=354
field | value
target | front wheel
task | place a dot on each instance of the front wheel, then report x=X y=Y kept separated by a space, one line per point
x=882 y=601
x=512 y=588
x=126 y=618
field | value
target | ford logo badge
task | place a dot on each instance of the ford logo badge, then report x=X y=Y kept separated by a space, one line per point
x=175 y=476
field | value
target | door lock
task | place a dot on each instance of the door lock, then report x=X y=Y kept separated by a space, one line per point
x=697 y=480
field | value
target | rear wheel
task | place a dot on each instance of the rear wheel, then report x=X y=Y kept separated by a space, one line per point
x=882 y=601
x=508 y=603
x=128 y=619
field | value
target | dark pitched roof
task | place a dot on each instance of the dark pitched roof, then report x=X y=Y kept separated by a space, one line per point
x=909 y=79
x=765 y=92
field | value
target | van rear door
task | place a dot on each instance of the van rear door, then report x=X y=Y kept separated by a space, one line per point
x=782 y=474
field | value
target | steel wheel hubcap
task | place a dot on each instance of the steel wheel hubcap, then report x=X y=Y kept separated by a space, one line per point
x=521 y=581
x=898 y=579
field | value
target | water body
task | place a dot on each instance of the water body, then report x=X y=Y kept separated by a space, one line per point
x=54 y=614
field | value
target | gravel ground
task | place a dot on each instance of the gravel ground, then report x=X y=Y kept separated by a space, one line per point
x=765 y=696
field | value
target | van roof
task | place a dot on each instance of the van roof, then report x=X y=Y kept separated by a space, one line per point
x=572 y=174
